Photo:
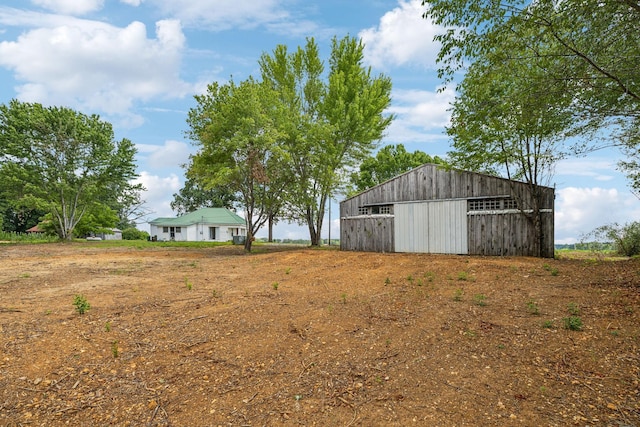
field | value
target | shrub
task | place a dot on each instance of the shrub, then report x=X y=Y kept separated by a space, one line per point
x=133 y=233
x=625 y=238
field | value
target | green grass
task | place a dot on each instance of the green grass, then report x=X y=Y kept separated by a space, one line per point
x=9 y=236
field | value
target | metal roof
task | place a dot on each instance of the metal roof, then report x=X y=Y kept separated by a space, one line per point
x=220 y=216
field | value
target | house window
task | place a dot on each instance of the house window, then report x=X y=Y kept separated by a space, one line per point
x=165 y=229
x=212 y=233
x=178 y=229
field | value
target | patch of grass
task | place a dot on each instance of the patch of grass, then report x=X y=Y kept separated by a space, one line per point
x=429 y=276
x=107 y=326
x=547 y=324
x=573 y=323
x=114 y=349
x=188 y=284
x=344 y=298
x=463 y=276
x=275 y=286
x=457 y=294
x=533 y=308
x=554 y=271
x=387 y=281
x=215 y=294
x=573 y=308
x=25 y=275
x=410 y=278
x=480 y=299
x=81 y=304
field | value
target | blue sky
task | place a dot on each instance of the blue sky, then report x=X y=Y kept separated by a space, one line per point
x=138 y=64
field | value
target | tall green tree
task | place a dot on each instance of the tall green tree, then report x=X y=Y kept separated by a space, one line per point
x=389 y=161
x=597 y=44
x=334 y=121
x=239 y=147
x=510 y=120
x=63 y=162
x=296 y=78
x=192 y=197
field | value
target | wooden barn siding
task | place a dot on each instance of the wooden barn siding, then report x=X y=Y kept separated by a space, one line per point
x=367 y=234
x=507 y=234
x=431 y=182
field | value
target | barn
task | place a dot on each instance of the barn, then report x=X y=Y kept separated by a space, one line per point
x=435 y=209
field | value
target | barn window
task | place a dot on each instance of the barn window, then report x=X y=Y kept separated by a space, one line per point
x=510 y=204
x=492 y=204
x=375 y=210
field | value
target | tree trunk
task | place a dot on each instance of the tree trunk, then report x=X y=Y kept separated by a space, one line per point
x=270 y=239
x=249 y=241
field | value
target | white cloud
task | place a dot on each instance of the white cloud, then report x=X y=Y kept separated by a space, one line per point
x=171 y=154
x=71 y=7
x=132 y=2
x=219 y=15
x=581 y=210
x=420 y=115
x=159 y=192
x=402 y=37
x=92 y=65
x=600 y=169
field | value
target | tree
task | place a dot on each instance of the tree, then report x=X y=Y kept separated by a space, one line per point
x=389 y=161
x=624 y=237
x=332 y=126
x=596 y=44
x=296 y=79
x=240 y=147
x=63 y=162
x=192 y=197
x=509 y=120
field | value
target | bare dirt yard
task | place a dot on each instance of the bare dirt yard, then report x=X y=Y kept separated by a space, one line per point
x=298 y=337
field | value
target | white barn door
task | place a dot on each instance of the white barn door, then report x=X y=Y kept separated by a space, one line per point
x=438 y=227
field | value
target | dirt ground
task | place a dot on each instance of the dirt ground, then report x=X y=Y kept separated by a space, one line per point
x=298 y=337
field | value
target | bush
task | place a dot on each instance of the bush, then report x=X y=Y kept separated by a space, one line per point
x=133 y=233
x=625 y=238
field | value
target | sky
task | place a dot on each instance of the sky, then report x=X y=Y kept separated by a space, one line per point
x=139 y=63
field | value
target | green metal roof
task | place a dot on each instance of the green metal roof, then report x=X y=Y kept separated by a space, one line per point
x=205 y=215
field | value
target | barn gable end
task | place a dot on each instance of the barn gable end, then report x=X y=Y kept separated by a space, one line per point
x=433 y=209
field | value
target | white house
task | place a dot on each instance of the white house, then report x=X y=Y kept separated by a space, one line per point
x=203 y=225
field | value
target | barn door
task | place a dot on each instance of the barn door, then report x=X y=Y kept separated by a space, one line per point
x=438 y=227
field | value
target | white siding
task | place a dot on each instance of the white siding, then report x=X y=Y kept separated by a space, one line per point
x=431 y=227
